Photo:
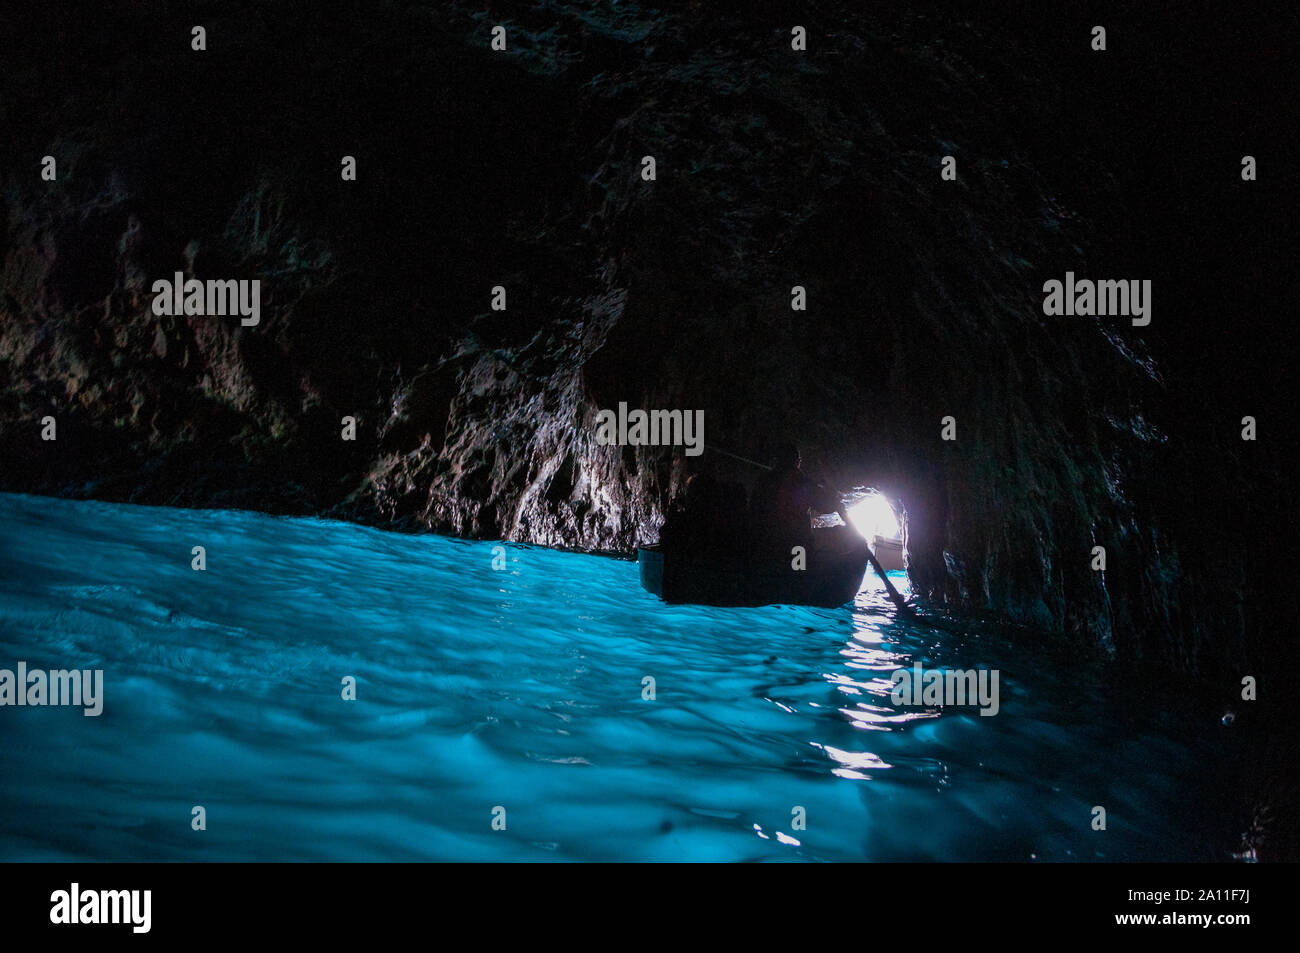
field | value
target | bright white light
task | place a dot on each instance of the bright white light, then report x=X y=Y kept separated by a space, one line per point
x=873 y=516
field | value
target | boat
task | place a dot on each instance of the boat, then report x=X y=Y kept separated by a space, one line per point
x=832 y=577
x=889 y=552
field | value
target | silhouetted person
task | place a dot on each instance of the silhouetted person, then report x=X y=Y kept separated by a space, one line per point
x=687 y=525
x=707 y=515
x=785 y=501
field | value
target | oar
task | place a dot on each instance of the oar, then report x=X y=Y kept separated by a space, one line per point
x=889 y=586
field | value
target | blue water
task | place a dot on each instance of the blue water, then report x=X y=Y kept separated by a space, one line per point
x=522 y=689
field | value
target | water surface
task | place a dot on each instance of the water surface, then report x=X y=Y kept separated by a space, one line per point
x=522 y=689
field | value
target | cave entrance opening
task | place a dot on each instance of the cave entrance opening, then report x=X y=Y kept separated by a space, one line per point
x=876 y=518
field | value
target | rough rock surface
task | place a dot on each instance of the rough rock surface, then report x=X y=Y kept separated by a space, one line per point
x=774 y=169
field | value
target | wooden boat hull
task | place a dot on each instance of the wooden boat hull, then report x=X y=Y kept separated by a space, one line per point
x=831 y=578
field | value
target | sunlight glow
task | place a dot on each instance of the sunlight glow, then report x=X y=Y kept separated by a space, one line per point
x=873 y=516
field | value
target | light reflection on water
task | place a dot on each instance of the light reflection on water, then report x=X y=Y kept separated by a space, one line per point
x=523 y=689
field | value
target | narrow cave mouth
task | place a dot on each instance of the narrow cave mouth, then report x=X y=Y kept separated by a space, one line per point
x=873 y=515
x=877 y=519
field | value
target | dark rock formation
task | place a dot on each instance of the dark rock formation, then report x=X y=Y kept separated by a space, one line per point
x=775 y=169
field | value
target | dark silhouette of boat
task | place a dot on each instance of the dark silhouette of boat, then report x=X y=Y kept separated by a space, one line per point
x=833 y=575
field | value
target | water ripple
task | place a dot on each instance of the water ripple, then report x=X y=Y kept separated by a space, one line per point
x=770 y=735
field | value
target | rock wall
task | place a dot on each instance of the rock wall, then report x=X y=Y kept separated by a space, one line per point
x=774 y=169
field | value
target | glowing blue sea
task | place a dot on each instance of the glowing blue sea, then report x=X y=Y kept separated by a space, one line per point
x=522 y=689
